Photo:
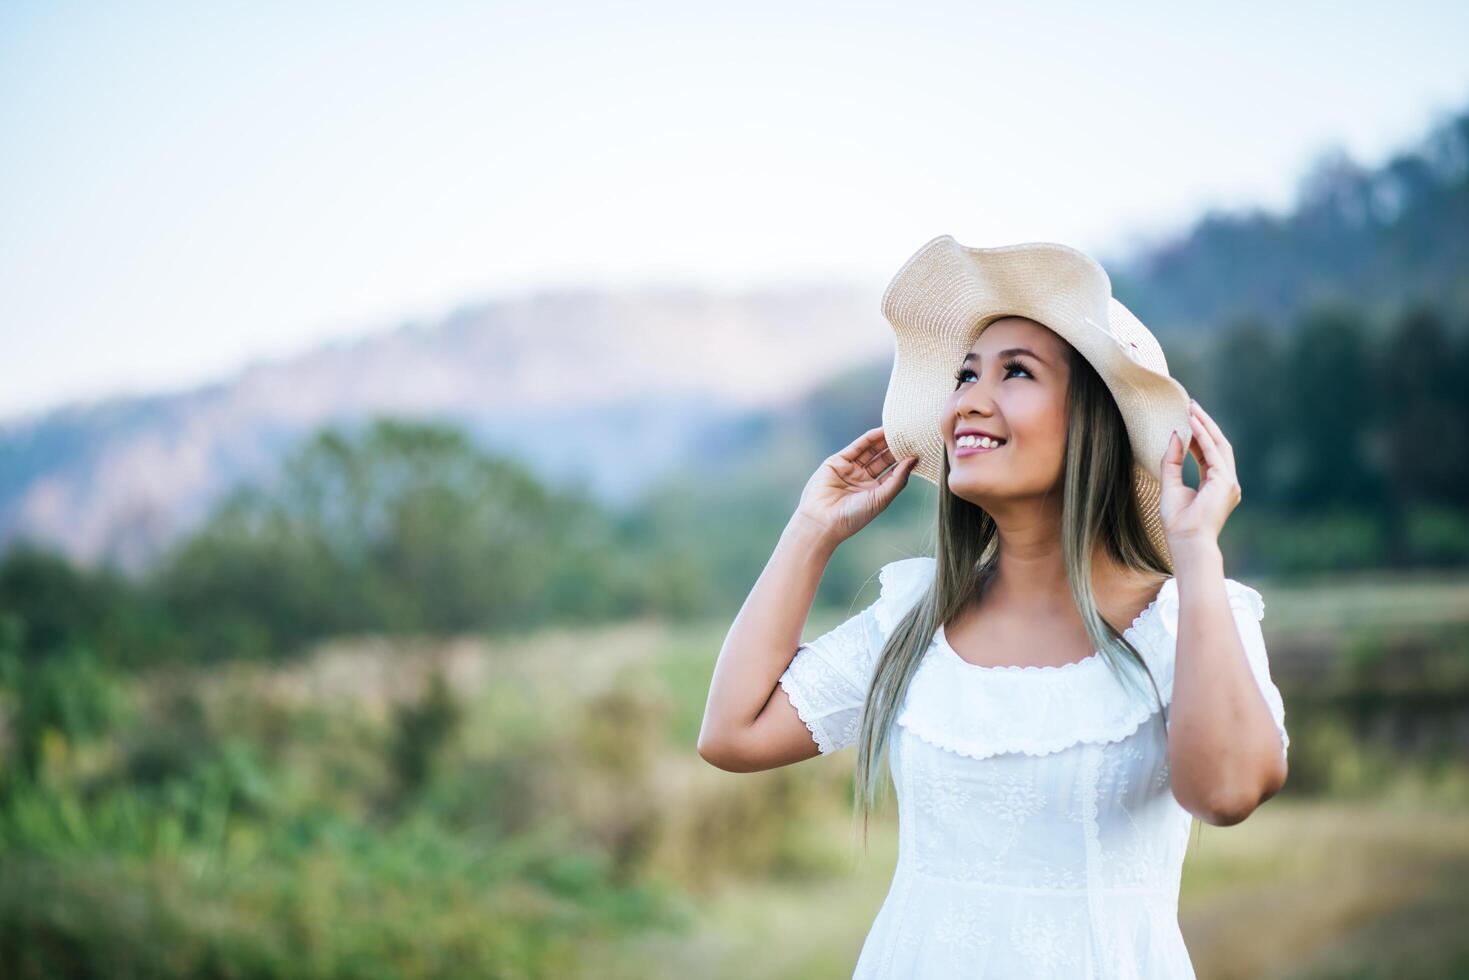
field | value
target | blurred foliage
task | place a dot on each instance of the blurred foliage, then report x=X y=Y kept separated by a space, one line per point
x=1377 y=239
x=231 y=824
x=401 y=528
x=191 y=787
x=1352 y=446
x=523 y=818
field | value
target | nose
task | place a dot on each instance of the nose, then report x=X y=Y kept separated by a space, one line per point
x=975 y=400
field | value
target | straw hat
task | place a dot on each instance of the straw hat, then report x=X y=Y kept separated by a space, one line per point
x=946 y=294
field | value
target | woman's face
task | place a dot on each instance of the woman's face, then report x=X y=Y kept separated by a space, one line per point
x=1015 y=395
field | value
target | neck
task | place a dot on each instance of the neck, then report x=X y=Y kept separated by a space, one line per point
x=1031 y=569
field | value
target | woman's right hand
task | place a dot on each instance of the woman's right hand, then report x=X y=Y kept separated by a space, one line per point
x=850 y=488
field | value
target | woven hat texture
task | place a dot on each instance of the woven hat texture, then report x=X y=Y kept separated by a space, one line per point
x=945 y=295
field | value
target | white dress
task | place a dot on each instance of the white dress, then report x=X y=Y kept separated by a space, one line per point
x=1038 y=833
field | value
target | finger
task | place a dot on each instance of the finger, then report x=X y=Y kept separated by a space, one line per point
x=1172 y=468
x=1195 y=449
x=860 y=448
x=897 y=477
x=879 y=461
x=864 y=450
x=1210 y=452
x=875 y=455
x=1197 y=452
x=869 y=455
x=1217 y=433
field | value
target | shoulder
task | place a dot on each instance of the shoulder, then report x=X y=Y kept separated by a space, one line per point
x=1141 y=596
x=1246 y=602
x=903 y=583
x=907 y=574
x=1244 y=599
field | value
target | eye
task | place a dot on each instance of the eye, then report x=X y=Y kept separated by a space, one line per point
x=964 y=374
x=1013 y=364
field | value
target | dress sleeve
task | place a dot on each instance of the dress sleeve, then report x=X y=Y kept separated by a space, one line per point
x=827 y=680
x=1249 y=610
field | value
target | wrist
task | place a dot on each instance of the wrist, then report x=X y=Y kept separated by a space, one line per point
x=1196 y=555
x=808 y=532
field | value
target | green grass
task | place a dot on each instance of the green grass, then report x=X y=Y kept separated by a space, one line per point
x=1304 y=890
x=1378 y=599
x=552 y=819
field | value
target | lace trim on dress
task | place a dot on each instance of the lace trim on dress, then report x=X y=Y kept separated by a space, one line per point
x=1034 y=712
x=980 y=711
x=807 y=714
x=827 y=679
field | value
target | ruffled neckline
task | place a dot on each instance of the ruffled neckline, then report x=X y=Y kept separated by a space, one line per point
x=941 y=638
x=980 y=711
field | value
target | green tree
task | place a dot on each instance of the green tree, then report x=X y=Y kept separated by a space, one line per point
x=1249 y=369
x=397 y=525
x=1426 y=432
x=1334 y=399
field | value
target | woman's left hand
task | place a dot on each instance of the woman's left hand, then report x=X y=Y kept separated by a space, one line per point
x=1191 y=515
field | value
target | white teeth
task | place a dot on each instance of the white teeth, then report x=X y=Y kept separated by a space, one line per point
x=984 y=442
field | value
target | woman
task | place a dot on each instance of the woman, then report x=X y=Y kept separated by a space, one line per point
x=1024 y=681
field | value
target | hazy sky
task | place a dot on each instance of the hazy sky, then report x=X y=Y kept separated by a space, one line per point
x=185 y=187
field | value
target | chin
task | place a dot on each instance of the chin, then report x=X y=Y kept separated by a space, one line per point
x=977 y=484
x=974 y=487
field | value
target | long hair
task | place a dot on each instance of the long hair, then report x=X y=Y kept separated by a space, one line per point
x=1097 y=508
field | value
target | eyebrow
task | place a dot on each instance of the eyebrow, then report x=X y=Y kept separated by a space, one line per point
x=1007 y=352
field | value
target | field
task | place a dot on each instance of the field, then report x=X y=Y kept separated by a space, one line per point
x=535 y=806
x=1365 y=875
x=1300 y=891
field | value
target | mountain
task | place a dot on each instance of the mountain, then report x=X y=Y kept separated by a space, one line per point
x=609 y=392
x=606 y=391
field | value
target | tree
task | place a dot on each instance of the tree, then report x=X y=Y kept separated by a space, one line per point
x=1426 y=425
x=1334 y=397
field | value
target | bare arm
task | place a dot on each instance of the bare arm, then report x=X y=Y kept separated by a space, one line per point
x=747 y=717
x=1225 y=752
x=749 y=724
x=1223 y=746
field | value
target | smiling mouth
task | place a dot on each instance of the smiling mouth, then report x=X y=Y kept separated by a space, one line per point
x=976 y=450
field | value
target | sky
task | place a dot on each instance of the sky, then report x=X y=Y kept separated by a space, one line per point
x=189 y=187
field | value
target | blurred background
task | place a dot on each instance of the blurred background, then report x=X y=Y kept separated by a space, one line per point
x=400 y=401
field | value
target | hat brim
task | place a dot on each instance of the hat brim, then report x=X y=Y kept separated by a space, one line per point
x=946 y=294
